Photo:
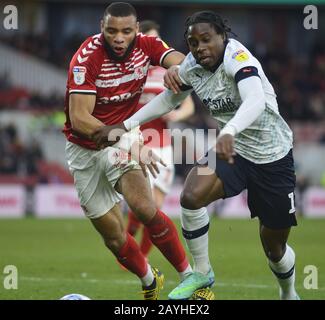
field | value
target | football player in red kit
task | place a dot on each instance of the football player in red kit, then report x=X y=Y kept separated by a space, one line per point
x=106 y=78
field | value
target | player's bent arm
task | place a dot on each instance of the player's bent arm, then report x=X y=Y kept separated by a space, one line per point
x=253 y=104
x=172 y=58
x=81 y=107
x=158 y=106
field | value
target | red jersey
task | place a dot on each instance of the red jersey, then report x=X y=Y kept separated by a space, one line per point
x=154 y=86
x=117 y=85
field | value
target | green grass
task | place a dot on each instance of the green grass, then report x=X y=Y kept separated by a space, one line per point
x=56 y=257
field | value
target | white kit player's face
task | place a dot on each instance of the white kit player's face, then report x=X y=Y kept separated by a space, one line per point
x=205 y=44
x=119 y=32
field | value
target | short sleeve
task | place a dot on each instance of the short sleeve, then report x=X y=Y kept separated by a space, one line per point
x=240 y=63
x=82 y=74
x=158 y=50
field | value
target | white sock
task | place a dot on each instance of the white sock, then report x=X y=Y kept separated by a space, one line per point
x=284 y=270
x=147 y=280
x=195 y=225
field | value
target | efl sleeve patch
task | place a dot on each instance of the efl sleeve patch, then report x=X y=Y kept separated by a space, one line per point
x=246 y=72
x=240 y=56
x=79 y=75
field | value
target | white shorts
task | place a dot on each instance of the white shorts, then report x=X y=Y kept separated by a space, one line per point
x=95 y=174
x=166 y=176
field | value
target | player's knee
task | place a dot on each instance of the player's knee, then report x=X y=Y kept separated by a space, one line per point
x=191 y=200
x=115 y=243
x=276 y=253
x=144 y=210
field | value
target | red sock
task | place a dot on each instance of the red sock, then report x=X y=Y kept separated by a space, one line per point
x=132 y=258
x=133 y=223
x=163 y=235
x=146 y=243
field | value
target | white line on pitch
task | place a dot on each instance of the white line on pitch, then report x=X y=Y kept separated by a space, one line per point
x=135 y=282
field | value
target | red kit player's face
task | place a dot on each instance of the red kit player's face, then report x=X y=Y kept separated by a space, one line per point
x=119 y=32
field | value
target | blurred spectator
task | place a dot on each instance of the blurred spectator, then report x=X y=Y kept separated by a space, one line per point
x=17 y=159
x=302 y=183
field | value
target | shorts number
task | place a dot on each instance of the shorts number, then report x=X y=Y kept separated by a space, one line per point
x=292 y=200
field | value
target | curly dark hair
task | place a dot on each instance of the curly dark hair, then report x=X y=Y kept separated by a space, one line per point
x=208 y=17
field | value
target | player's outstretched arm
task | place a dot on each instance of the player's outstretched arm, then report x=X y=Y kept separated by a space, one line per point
x=157 y=107
x=185 y=110
x=81 y=107
x=160 y=105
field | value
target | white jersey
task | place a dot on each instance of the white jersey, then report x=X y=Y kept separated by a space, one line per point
x=267 y=139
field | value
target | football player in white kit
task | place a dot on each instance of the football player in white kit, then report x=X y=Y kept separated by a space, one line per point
x=253 y=150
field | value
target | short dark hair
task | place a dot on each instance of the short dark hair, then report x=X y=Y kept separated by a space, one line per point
x=120 y=9
x=208 y=17
x=147 y=25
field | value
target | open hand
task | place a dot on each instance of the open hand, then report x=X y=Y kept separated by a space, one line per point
x=146 y=158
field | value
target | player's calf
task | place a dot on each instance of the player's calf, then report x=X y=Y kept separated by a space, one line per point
x=164 y=236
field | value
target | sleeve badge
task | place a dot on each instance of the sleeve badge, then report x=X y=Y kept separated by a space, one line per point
x=79 y=75
x=240 y=56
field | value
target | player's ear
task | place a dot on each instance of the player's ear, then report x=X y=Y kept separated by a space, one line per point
x=137 y=27
x=102 y=25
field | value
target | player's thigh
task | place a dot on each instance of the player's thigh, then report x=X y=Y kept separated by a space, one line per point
x=136 y=190
x=213 y=179
x=271 y=193
x=96 y=195
x=202 y=186
x=127 y=179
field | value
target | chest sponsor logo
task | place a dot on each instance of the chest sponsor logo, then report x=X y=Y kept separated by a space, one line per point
x=120 y=97
x=79 y=75
x=217 y=106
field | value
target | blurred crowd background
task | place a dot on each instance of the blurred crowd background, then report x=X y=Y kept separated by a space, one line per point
x=34 y=61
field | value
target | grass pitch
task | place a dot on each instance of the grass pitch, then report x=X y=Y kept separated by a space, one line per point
x=57 y=257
